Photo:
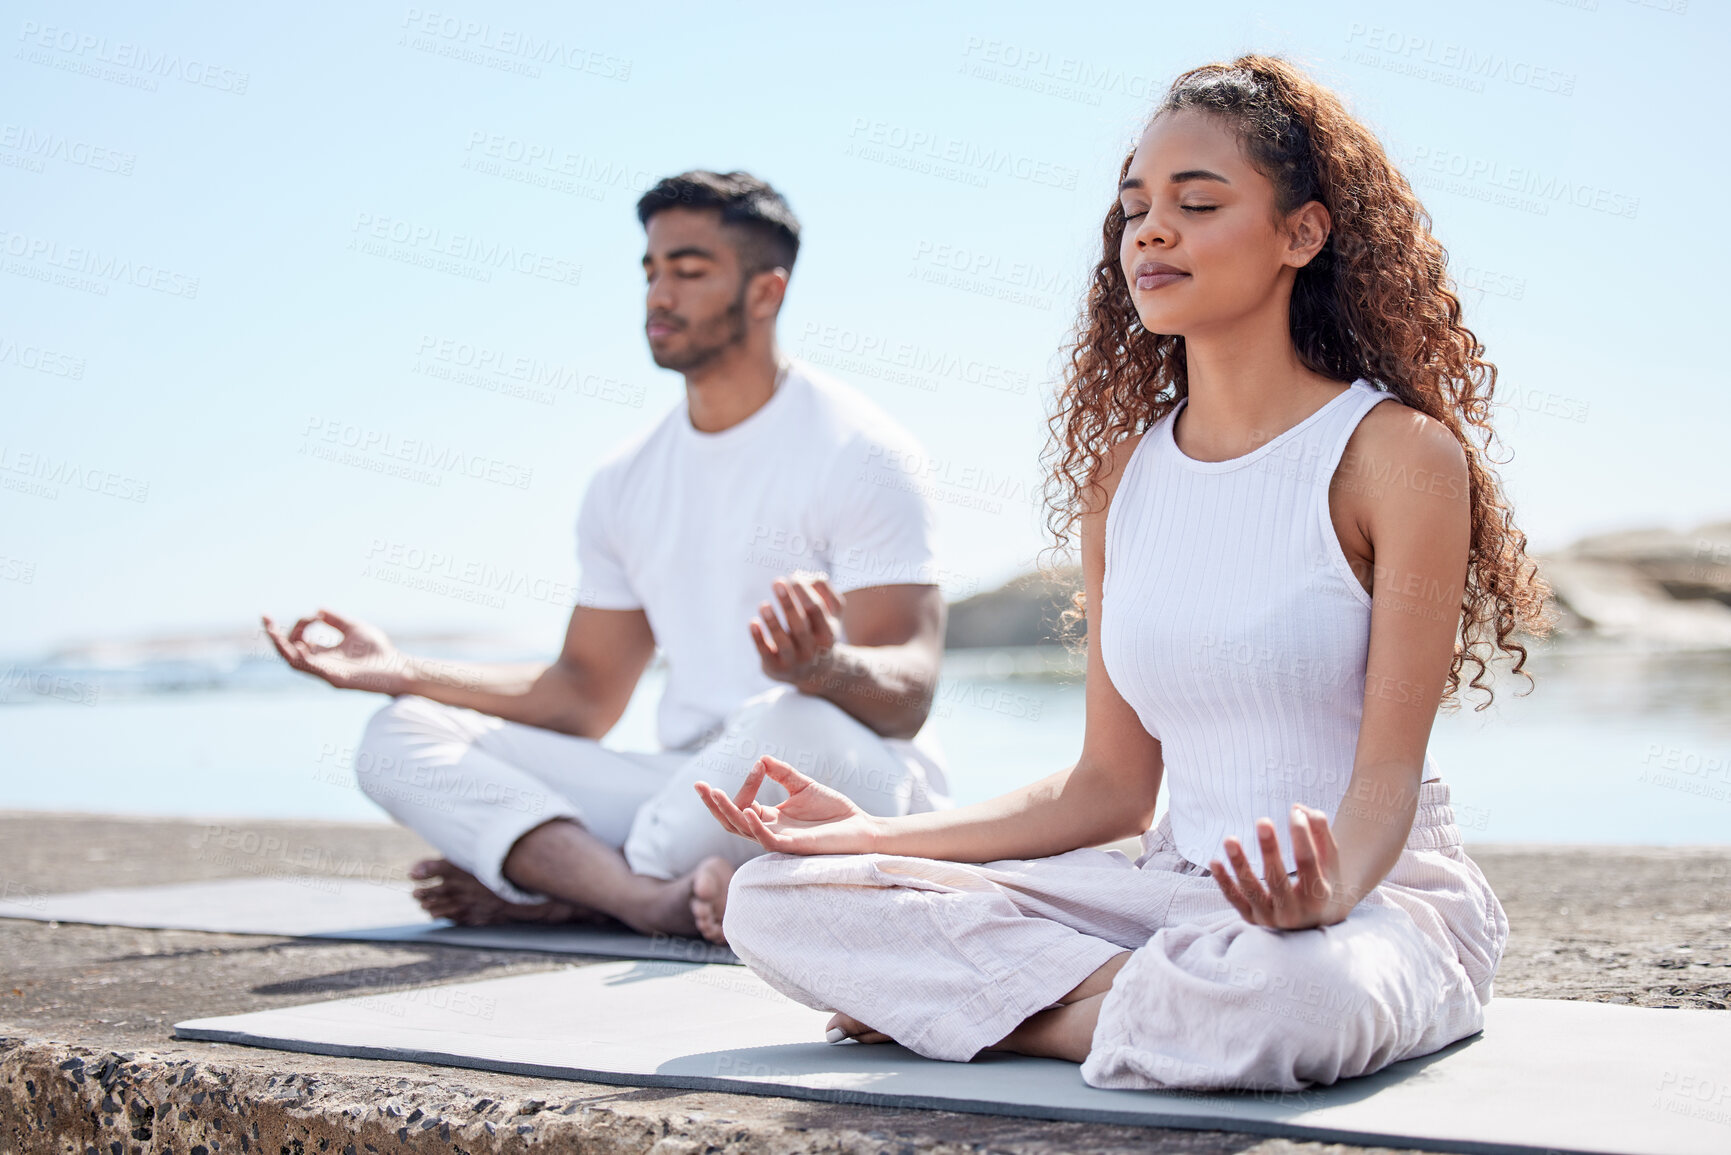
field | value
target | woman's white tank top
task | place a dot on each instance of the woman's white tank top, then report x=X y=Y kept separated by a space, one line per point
x=1232 y=624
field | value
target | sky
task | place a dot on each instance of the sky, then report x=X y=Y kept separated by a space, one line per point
x=340 y=304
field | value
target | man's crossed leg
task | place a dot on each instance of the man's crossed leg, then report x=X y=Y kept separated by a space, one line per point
x=539 y=826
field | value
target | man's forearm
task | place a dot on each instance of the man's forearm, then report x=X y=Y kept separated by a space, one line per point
x=889 y=688
x=533 y=693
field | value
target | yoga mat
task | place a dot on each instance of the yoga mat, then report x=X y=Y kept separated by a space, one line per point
x=340 y=908
x=1545 y=1075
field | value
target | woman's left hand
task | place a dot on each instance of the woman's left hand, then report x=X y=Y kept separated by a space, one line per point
x=1315 y=898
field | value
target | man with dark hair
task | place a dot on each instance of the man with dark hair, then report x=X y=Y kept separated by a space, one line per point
x=763 y=537
x=762 y=227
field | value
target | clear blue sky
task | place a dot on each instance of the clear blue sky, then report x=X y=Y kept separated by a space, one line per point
x=228 y=243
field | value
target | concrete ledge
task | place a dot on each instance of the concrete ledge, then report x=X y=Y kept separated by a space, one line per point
x=88 y=1065
x=59 y=1098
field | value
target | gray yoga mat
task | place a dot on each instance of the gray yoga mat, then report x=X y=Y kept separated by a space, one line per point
x=1545 y=1075
x=340 y=908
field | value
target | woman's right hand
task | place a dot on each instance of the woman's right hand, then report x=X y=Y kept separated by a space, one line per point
x=813 y=820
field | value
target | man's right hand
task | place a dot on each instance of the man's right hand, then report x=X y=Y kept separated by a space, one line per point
x=363 y=659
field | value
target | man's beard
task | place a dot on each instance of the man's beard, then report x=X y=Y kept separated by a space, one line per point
x=707 y=341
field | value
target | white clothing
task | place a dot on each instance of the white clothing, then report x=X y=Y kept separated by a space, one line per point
x=472 y=784
x=1202 y=560
x=693 y=527
x=1234 y=627
x=947 y=958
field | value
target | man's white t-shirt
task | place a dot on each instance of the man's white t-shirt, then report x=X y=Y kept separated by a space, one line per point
x=692 y=528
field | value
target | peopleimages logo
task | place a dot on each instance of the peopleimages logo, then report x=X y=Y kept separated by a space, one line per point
x=49 y=471
x=873 y=353
x=1523 y=180
x=1430 y=58
x=103 y=267
x=88 y=49
x=469 y=579
x=555 y=160
x=1044 y=71
x=872 y=139
x=40 y=360
x=46 y=145
x=347 y=443
x=386 y=236
x=516 y=374
x=447 y=34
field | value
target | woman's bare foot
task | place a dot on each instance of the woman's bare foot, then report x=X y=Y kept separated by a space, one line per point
x=465 y=900
x=1064 y=1030
x=1060 y=1032
x=852 y=1028
x=674 y=907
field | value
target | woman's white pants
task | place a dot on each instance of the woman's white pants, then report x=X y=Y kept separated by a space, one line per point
x=947 y=958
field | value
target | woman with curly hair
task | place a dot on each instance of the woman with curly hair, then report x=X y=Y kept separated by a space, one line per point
x=1272 y=438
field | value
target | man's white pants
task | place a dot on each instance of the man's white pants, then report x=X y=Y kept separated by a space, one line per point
x=472 y=784
x=948 y=957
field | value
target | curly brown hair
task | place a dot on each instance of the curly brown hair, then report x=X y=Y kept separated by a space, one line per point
x=1376 y=302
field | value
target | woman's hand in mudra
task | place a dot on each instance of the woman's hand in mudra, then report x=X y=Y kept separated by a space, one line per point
x=1315 y=898
x=813 y=820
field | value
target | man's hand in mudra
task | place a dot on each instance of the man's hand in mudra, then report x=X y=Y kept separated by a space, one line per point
x=794 y=646
x=362 y=658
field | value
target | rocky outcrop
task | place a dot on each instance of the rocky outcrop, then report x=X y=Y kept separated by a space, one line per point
x=1656 y=588
x=1022 y=612
x=1648 y=587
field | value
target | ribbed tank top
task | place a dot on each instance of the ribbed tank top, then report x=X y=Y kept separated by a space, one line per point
x=1232 y=624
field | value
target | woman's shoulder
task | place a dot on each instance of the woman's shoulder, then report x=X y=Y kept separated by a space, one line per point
x=1398 y=431
x=1396 y=447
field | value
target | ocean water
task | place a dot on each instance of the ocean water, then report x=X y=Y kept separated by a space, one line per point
x=1609 y=748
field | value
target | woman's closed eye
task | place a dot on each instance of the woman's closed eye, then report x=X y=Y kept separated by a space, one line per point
x=1130 y=216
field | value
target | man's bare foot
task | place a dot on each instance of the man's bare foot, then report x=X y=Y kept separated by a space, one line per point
x=465 y=900
x=673 y=907
x=709 y=896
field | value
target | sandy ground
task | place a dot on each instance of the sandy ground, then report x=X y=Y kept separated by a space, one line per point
x=1649 y=926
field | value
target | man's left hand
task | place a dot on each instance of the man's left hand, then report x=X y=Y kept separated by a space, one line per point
x=795 y=646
